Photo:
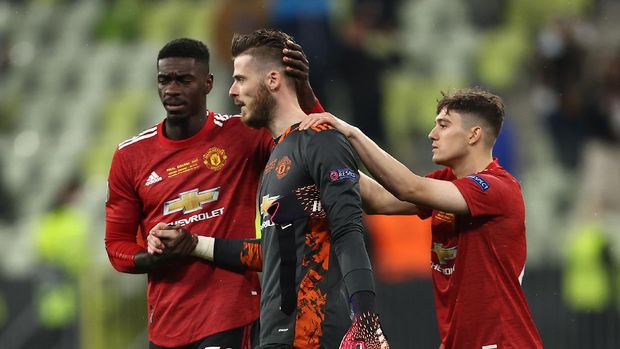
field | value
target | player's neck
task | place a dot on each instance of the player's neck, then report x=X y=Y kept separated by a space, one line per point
x=184 y=128
x=285 y=115
x=470 y=164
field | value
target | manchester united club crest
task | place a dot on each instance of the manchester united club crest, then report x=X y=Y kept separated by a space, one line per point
x=283 y=166
x=215 y=158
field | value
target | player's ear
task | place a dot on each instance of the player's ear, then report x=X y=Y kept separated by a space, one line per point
x=274 y=80
x=208 y=84
x=475 y=134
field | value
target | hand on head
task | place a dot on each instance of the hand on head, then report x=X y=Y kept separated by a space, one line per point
x=297 y=66
x=295 y=60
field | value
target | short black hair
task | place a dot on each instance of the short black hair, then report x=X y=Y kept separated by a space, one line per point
x=185 y=47
x=478 y=102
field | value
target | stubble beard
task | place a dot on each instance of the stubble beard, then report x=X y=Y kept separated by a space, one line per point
x=264 y=104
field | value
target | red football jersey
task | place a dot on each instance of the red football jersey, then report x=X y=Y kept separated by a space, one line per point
x=478 y=262
x=208 y=184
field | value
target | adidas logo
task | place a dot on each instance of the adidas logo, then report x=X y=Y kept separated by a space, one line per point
x=153 y=178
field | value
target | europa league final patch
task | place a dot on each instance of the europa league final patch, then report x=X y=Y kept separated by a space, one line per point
x=342 y=174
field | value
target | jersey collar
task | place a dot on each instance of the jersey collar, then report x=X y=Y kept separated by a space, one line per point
x=491 y=166
x=286 y=133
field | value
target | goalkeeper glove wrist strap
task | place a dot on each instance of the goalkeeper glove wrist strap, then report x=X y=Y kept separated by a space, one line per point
x=204 y=248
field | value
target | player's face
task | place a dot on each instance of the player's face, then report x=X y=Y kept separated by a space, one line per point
x=183 y=85
x=250 y=93
x=449 y=138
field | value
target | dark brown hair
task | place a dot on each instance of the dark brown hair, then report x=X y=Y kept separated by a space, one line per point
x=265 y=44
x=477 y=102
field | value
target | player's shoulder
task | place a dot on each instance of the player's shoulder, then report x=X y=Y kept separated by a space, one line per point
x=233 y=122
x=320 y=128
x=319 y=132
x=496 y=178
x=225 y=120
x=141 y=138
x=498 y=173
x=444 y=174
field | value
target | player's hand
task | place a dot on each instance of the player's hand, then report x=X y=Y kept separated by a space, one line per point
x=365 y=333
x=296 y=65
x=154 y=243
x=326 y=118
x=176 y=241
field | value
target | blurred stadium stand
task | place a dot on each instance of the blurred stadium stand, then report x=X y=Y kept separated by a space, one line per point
x=78 y=77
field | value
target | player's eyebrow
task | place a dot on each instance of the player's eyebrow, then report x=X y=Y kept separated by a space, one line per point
x=174 y=74
x=442 y=119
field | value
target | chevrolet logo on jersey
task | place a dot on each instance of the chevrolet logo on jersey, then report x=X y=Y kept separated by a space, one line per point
x=191 y=201
x=444 y=254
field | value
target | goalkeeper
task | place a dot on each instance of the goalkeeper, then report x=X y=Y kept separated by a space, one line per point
x=316 y=270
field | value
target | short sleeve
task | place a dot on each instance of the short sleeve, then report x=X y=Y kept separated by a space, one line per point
x=423 y=211
x=485 y=194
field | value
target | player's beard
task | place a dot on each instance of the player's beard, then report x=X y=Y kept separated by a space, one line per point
x=263 y=107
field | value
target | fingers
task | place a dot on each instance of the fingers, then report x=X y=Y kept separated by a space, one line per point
x=298 y=73
x=296 y=69
x=293 y=45
x=160 y=226
x=155 y=246
x=312 y=121
x=297 y=56
x=166 y=232
x=295 y=61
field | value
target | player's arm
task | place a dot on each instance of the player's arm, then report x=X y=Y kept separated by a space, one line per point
x=122 y=249
x=128 y=257
x=123 y=213
x=332 y=166
x=377 y=200
x=233 y=254
x=329 y=152
x=393 y=175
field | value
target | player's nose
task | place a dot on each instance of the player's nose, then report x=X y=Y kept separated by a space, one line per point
x=232 y=91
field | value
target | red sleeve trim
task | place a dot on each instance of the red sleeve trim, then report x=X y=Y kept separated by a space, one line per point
x=317 y=108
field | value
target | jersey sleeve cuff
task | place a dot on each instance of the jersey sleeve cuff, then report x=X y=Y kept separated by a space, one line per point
x=316 y=108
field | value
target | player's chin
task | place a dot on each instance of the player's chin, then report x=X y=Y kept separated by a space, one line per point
x=177 y=116
x=245 y=118
x=252 y=120
x=439 y=160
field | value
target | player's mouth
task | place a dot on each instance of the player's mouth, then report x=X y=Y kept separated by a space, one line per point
x=241 y=106
x=174 y=105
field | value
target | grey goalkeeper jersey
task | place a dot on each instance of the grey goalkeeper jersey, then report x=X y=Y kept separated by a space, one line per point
x=314 y=255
